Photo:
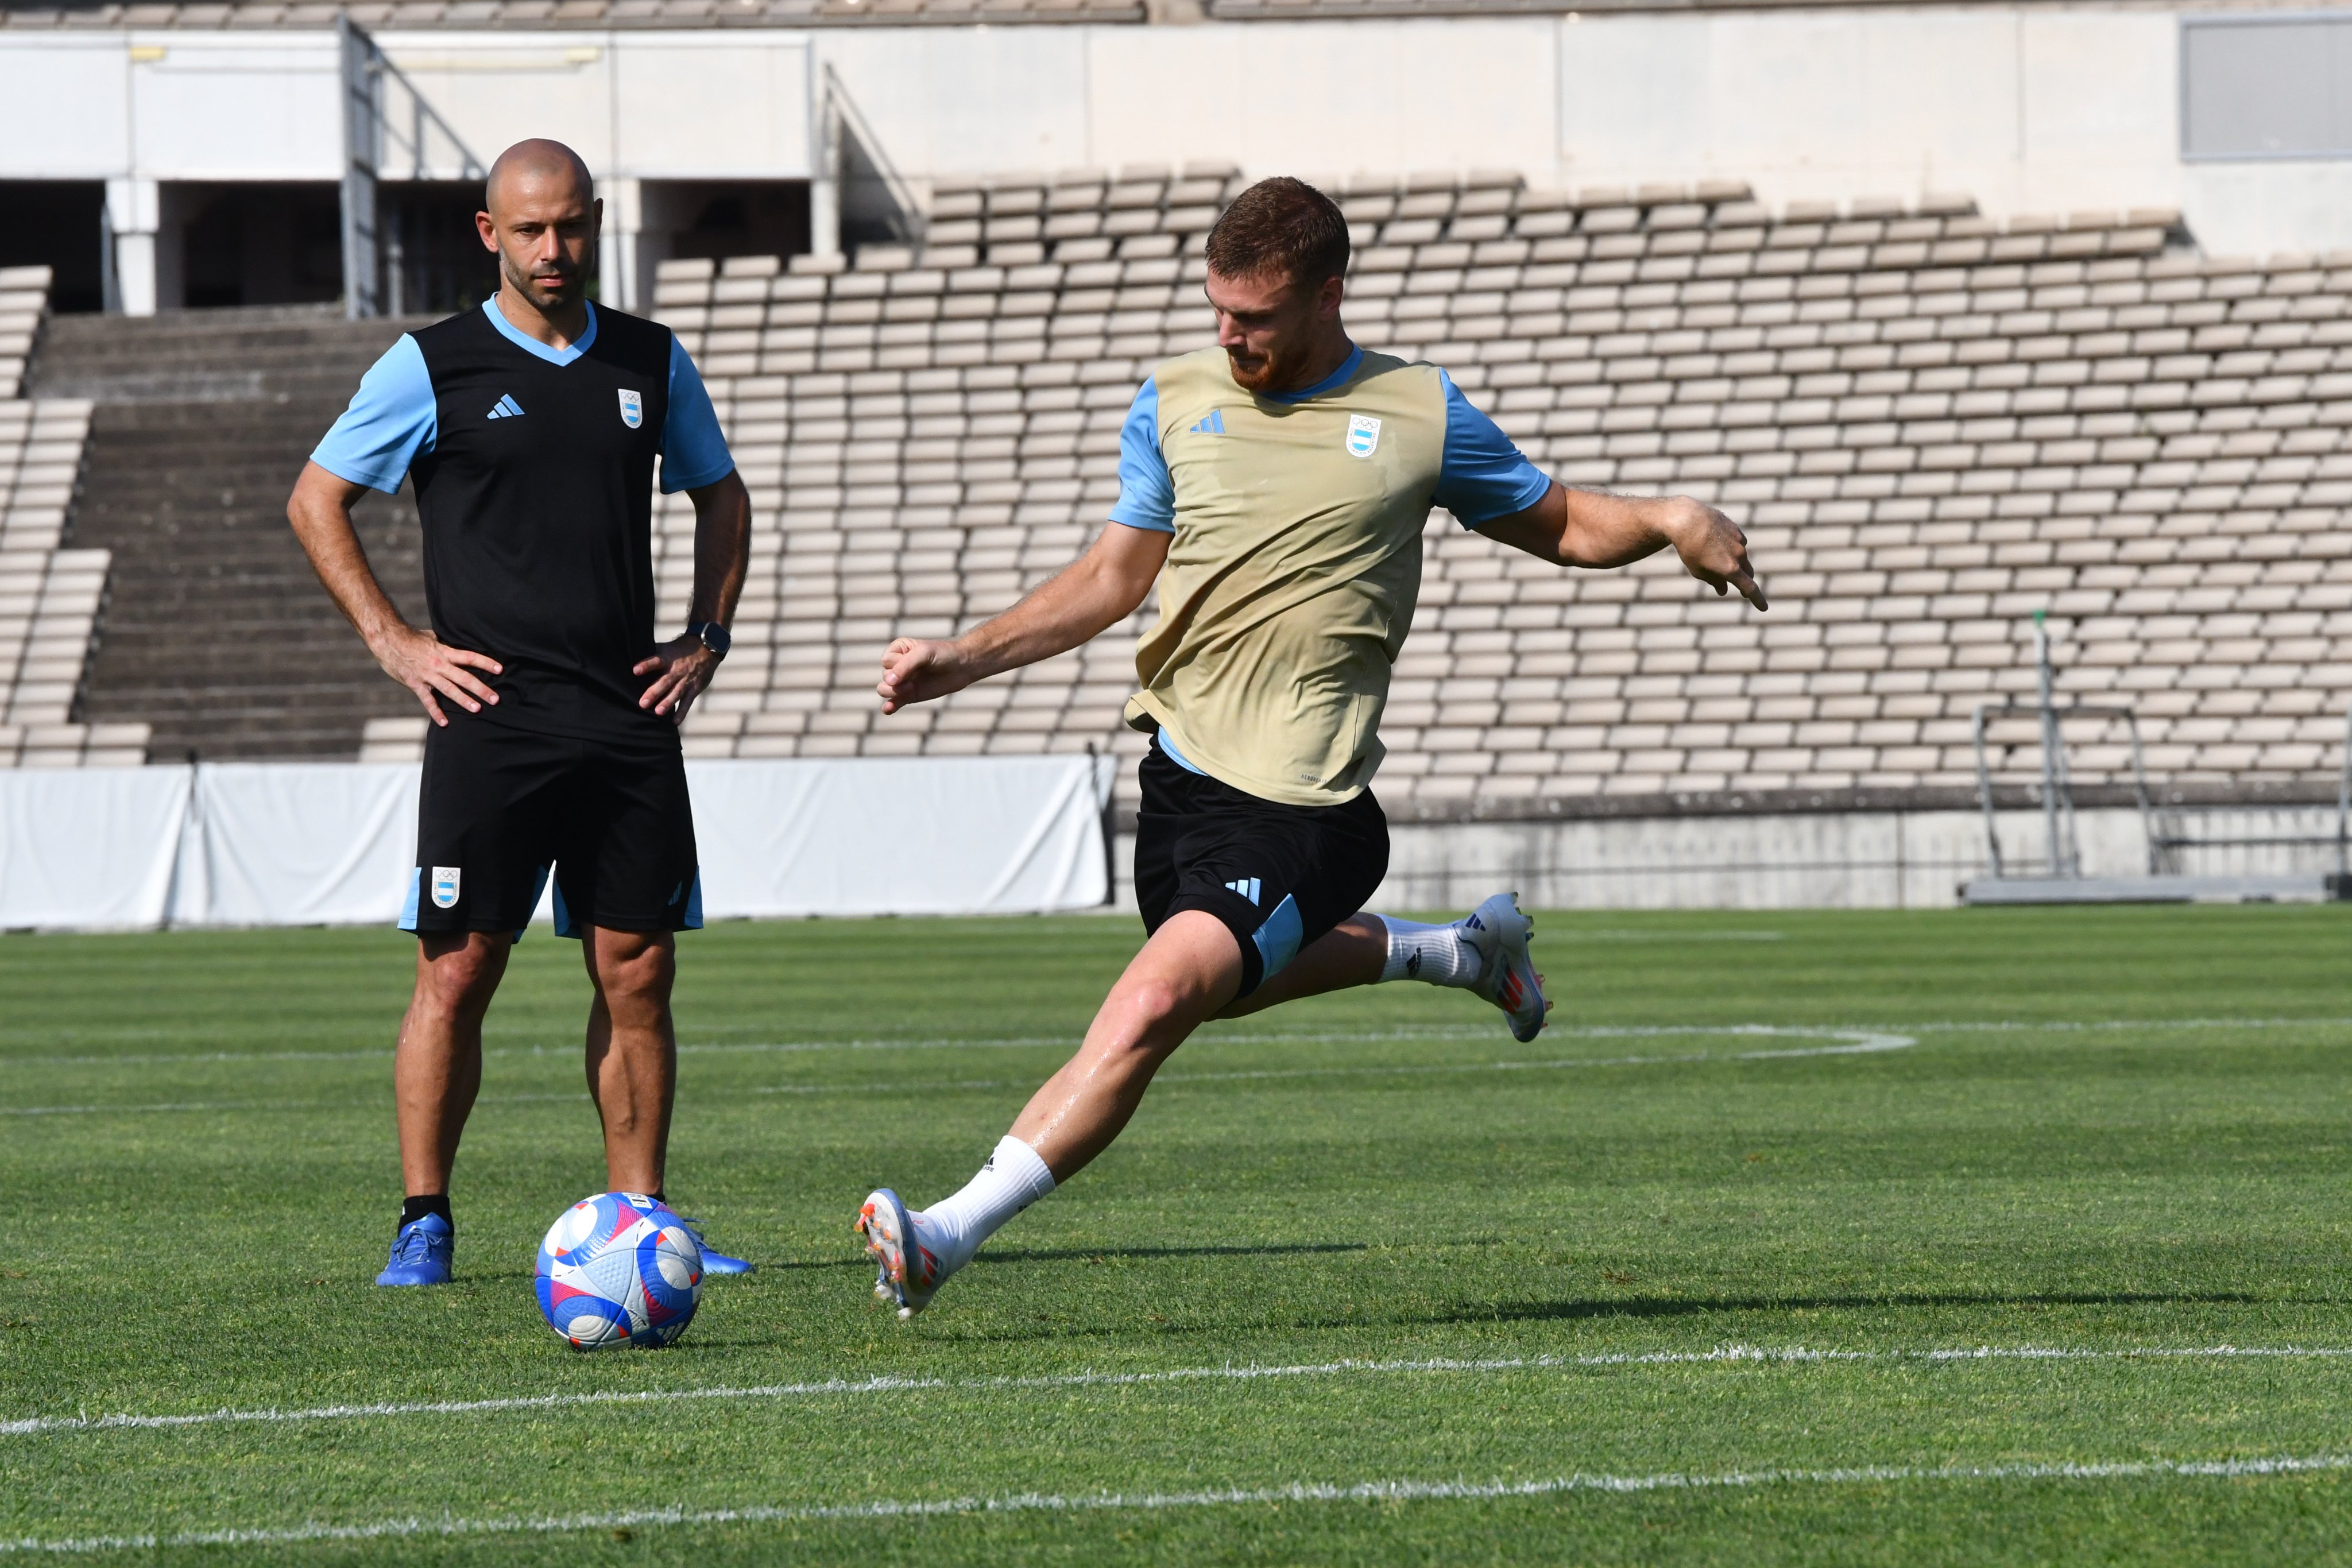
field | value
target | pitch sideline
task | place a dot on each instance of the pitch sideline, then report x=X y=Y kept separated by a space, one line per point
x=1294 y=1492
x=49 y=1426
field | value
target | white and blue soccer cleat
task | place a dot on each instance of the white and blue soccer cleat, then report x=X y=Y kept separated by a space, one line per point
x=422 y=1253
x=714 y=1262
x=910 y=1273
x=1499 y=932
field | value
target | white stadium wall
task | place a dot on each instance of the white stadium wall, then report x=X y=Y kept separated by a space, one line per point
x=2025 y=111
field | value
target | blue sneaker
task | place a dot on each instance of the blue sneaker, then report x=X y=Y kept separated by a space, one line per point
x=713 y=1262
x=421 y=1253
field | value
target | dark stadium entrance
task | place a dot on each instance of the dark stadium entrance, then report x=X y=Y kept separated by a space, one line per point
x=433 y=259
x=719 y=218
x=250 y=245
x=59 y=225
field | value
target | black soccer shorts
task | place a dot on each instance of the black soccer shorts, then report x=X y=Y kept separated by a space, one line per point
x=501 y=806
x=1278 y=877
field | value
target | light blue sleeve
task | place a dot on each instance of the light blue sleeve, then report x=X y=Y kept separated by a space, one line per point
x=1482 y=478
x=392 y=418
x=1147 y=495
x=693 y=450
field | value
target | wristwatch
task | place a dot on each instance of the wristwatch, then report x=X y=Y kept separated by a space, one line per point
x=713 y=635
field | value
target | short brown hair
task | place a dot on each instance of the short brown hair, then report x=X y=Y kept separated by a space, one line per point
x=1282 y=227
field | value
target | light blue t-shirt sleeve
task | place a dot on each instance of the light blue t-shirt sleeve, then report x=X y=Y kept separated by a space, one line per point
x=392 y=418
x=1483 y=477
x=693 y=450
x=1147 y=495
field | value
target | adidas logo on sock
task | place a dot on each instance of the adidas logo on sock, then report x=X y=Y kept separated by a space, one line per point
x=1212 y=425
x=507 y=409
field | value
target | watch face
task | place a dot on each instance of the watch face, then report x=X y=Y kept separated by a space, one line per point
x=714 y=637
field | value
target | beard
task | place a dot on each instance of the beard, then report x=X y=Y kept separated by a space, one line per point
x=1276 y=370
x=543 y=293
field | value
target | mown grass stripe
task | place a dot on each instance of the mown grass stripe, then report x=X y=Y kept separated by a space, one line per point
x=1292 y=1492
x=1857 y=1043
x=48 y=1425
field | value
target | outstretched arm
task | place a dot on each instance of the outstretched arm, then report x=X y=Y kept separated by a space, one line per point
x=1585 y=528
x=1099 y=589
x=321 y=511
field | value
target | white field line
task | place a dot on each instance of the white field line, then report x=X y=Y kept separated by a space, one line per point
x=1294 y=1492
x=569 y=1051
x=1798 y=1355
x=1856 y=1042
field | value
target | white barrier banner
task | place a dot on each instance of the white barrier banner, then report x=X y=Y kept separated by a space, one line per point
x=232 y=845
x=871 y=835
x=298 y=844
x=90 y=847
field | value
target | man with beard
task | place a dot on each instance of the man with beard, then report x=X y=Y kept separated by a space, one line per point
x=531 y=429
x=1275 y=488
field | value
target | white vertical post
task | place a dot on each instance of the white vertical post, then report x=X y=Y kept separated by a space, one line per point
x=825 y=165
x=620 y=256
x=133 y=215
x=363 y=148
x=2057 y=804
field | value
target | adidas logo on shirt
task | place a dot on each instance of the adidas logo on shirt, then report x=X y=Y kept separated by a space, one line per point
x=1212 y=425
x=508 y=409
x=1247 y=887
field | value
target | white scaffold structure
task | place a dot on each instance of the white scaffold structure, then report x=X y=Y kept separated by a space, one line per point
x=2058 y=877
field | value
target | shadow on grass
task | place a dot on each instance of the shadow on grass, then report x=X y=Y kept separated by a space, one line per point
x=1684 y=1306
x=1095 y=1254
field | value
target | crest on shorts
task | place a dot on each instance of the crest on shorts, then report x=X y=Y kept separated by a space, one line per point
x=1363 y=434
x=632 y=409
x=444 y=886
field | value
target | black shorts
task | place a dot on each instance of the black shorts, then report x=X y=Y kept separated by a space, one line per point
x=502 y=806
x=1278 y=877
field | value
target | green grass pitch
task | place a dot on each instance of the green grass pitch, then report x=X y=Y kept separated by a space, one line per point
x=1651 y=1289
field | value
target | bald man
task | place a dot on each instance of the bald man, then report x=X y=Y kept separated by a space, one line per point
x=531 y=430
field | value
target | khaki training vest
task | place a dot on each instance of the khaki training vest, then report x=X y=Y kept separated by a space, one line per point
x=1292 y=576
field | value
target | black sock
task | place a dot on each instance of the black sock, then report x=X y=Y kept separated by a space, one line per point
x=412 y=1210
x=659 y=1197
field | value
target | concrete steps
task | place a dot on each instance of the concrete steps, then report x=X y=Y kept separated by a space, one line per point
x=217 y=632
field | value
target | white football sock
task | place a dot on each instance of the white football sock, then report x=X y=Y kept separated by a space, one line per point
x=1439 y=955
x=1013 y=1179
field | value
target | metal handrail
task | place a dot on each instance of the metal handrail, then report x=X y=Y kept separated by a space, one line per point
x=902 y=195
x=2065 y=857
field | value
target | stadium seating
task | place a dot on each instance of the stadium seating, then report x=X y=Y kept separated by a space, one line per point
x=1932 y=426
x=51 y=598
x=24 y=292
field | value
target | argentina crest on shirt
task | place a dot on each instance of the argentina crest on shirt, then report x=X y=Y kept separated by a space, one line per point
x=632 y=409
x=1363 y=434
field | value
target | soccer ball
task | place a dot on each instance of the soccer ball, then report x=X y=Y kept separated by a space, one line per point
x=618 y=1269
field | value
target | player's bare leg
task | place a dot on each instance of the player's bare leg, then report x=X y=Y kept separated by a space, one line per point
x=632 y=1051
x=1188 y=971
x=1185 y=974
x=1351 y=954
x=436 y=1071
x=437 y=1068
